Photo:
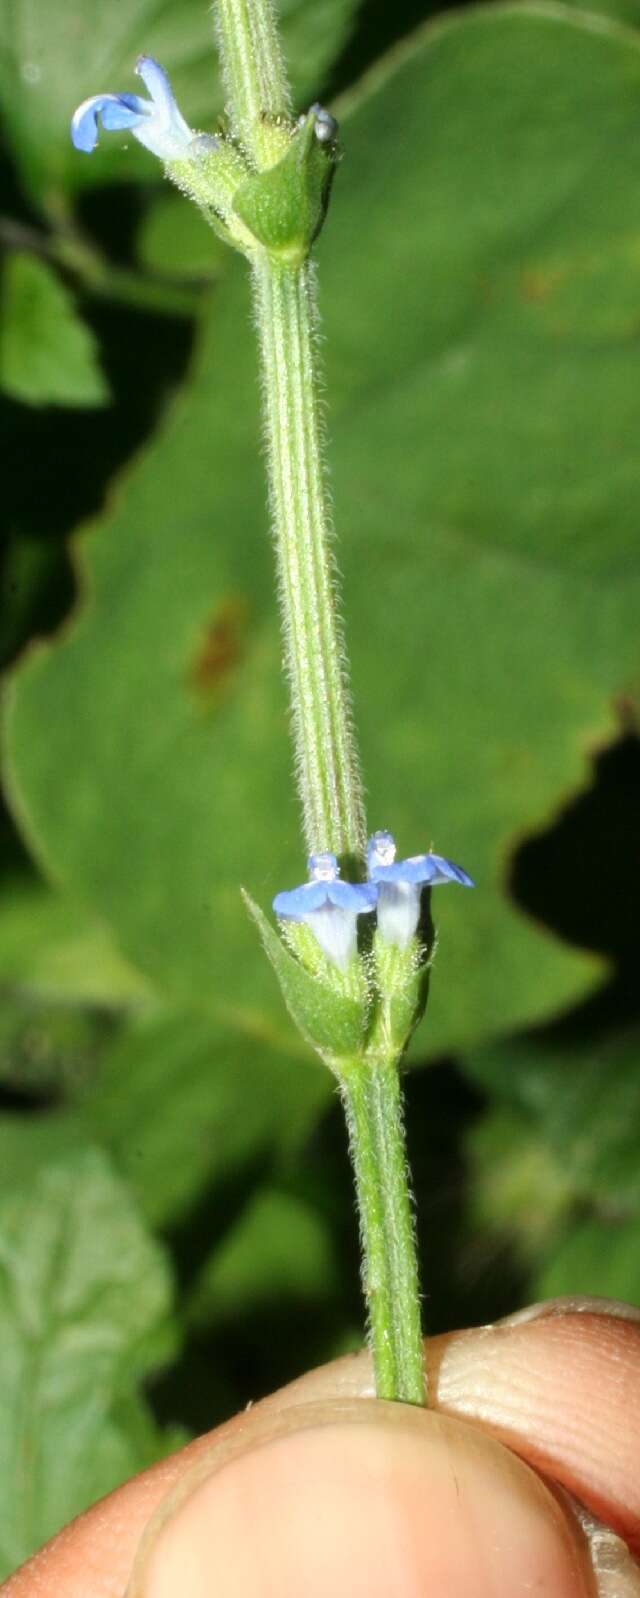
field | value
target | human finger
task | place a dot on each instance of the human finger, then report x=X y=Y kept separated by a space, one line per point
x=360 y=1497
x=510 y=1379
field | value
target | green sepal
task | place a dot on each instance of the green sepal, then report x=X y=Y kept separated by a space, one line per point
x=211 y=174
x=284 y=207
x=402 y=980
x=331 y=1009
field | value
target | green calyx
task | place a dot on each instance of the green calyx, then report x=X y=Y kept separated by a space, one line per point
x=402 y=987
x=330 y=1007
x=211 y=175
x=279 y=209
x=366 y=1011
x=283 y=208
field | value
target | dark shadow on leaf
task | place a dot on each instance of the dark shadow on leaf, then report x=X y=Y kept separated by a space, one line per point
x=581 y=879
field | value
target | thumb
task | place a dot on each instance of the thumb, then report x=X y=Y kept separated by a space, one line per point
x=363 y=1498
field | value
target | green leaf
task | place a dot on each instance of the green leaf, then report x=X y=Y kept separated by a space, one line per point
x=554 y=1161
x=625 y=11
x=84 y=1298
x=175 y=240
x=279 y=1247
x=178 y=1102
x=486 y=476
x=50 y=1047
x=583 y=1104
x=597 y=1257
x=55 y=952
x=182 y=1103
x=29 y=1144
x=517 y=1191
x=52 y=57
x=47 y=354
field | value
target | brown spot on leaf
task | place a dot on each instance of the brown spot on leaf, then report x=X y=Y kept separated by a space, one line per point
x=538 y=283
x=220 y=651
x=627 y=708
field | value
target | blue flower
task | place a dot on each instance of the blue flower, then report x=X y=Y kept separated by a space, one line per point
x=329 y=907
x=157 y=123
x=400 y=884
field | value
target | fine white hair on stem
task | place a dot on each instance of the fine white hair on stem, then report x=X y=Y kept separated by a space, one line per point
x=315 y=658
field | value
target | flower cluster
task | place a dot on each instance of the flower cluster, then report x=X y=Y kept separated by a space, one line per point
x=157 y=122
x=279 y=207
x=331 y=907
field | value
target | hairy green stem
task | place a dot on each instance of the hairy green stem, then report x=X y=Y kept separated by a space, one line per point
x=253 y=71
x=372 y=1098
x=325 y=751
x=315 y=656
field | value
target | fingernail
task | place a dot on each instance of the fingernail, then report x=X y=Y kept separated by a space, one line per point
x=572 y=1304
x=617 y=1575
x=250 y=1432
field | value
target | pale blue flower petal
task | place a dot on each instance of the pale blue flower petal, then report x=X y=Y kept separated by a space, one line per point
x=156 y=80
x=296 y=903
x=381 y=850
x=336 y=932
x=423 y=868
x=420 y=868
x=166 y=133
x=361 y=897
x=157 y=123
x=329 y=907
x=114 y=110
x=123 y=111
x=325 y=888
x=448 y=871
x=400 y=883
x=398 y=912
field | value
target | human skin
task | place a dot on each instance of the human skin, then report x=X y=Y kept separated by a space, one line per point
x=321 y=1488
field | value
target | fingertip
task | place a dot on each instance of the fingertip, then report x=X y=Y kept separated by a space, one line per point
x=367 y=1499
x=560 y=1384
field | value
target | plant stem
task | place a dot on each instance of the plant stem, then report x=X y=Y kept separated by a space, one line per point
x=372 y=1098
x=326 y=761
x=254 y=73
x=325 y=751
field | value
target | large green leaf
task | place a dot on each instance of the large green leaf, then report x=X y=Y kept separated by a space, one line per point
x=583 y=1105
x=54 y=56
x=175 y=239
x=626 y=11
x=600 y=1257
x=47 y=355
x=31 y=1143
x=181 y=1104
x=50 y=1048
x=519 y=1193
x=51 y=950
x=280 y=1247
x=480 y=277
x=181 y=1100
x=554 y=1162
x=84 y=1297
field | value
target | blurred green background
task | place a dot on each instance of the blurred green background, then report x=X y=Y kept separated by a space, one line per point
x=177 y=1232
